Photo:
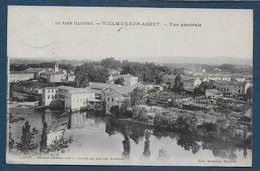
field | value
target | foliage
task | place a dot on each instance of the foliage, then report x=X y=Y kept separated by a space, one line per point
x=147 y=72
x=115 y=111
x=26 y=143
x=11 y=142
x=90 y=72
x=119 y=81
x=186 y=123
x=178 y=84
x=59 y=145
x=136 y=96
x=43 y=142
x=111 y=63
x=140 y=114
x=203 y=87
x=249 y=93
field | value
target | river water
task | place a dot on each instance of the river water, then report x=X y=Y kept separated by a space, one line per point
x=103 y=140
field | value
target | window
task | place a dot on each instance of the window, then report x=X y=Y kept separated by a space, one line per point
x=112 y=99
x=48 y=91
x=108 y=99
x=55 y=96
x=52 y=96
x=48 y=96
x=52 y=90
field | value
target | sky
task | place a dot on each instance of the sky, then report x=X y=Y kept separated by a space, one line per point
x=44 y=32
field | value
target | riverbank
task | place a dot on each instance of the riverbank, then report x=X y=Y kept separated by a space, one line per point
x=194 y=123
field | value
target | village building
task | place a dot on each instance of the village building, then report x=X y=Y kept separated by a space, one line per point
x=70 y=77
x=54 y=75
x=115 y=97
x=213 y=94
x=190 y=83
x=15 y=76
x=128 y=80
x=169 y=80
x=48 y=95
x=37 y=71
x=232 y=87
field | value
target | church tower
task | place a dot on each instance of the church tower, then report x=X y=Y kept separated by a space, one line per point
x=56 y=68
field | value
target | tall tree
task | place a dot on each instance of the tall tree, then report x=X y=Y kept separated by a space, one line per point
x=26 y=145
x=43 y=142
x=136 y=96
x=178 y=84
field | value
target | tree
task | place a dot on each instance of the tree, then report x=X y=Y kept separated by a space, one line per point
x=119 y=81
x=178 y=84
x=111 y=63
x=11 y=141
x=90 y=72
x=43 y=142
x=203 y=87
x=115 y=110
x=124 y=106
x=136 y=96
x=59 y=145
x=249 y=93
x=26 y=143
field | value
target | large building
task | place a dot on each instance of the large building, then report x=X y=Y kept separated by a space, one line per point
x=48 y=95
x=115 y=97
x=54 y=77
x=232 y=87
x=15 y=76
x=74 y=99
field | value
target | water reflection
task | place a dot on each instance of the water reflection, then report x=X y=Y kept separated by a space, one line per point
x=126 y=145
x=132 y=140
x=147 y=152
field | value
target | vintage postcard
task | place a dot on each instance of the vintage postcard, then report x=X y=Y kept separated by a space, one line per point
x=129 y=86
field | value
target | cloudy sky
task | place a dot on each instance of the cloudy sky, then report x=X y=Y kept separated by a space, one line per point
x=41 y=32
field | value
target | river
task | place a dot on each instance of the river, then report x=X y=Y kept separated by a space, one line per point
x=100 y=139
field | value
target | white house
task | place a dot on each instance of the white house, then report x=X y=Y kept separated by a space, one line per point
x=48 y=95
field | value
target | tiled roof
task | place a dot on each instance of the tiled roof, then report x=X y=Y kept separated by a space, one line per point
x=231 y=83
x=20 y=72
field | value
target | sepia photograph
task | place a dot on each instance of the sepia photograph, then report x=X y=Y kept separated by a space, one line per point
x=129 y=86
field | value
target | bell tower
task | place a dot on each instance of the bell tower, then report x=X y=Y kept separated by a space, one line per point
x=56 y=68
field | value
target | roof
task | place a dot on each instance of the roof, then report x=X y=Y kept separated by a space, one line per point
x=231 y=83
x=20 y=72
x=73 y=90
x=101 y=86
x=36 y=69
x=50 y=87
x=169 y=76
x=53 y=73
x=125 y=90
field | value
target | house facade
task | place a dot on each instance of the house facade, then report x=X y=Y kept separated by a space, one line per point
x=190 y=83
x=113 y=97
x=232 y=87
x=48 y=95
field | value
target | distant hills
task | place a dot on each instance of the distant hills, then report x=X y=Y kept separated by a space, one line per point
x=159 y=60
x=197 y=60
